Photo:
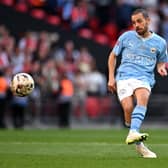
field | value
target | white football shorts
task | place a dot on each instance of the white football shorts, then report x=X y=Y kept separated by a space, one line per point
x=126 y=88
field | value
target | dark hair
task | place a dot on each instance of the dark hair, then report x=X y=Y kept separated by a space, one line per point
x=143 y=11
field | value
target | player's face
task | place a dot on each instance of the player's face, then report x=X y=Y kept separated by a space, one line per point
x=140 y=24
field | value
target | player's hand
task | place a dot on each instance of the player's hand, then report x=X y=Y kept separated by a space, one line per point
x=162 y=69
x=112 y=85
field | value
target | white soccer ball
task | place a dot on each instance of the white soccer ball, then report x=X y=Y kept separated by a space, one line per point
x=22 y=84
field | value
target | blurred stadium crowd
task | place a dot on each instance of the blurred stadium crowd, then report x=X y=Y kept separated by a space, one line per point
x=50 y=66
x=98 y=20
x=66 y=77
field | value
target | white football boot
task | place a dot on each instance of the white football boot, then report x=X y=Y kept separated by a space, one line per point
x=144 y=151
x=135 y=136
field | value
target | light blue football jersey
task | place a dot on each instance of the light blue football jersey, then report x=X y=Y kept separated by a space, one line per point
x=139 y=56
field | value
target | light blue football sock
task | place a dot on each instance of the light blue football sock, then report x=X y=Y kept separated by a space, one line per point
x=137 y=117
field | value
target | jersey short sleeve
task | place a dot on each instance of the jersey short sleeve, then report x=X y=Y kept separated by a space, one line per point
x=117 y=49
x=163 y=57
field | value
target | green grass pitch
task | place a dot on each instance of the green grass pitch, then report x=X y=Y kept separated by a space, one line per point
x=78 y=148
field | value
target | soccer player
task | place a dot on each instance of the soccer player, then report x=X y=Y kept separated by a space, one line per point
x=141 y=50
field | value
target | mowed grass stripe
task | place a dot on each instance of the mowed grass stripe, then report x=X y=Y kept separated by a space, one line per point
x=66 y=136
x=75 y=149
x=78 y=149
x=61 y=148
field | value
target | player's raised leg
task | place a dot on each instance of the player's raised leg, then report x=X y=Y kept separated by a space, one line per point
x=138 y=115
x=134 y=135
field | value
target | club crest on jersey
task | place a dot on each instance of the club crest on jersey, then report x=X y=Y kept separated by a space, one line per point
x=153 y=50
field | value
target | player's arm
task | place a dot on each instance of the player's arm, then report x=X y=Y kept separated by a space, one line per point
x=111 y=72
x=161 y=68
x=162 y=59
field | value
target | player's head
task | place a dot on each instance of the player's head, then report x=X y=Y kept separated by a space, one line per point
x=140 y=21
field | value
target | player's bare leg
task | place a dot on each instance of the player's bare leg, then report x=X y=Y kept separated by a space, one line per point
x=142 y=96
x=128 y=106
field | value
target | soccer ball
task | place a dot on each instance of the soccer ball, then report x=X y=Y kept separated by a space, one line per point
x=22 y=84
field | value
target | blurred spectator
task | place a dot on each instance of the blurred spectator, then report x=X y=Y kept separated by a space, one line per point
x=29 y=41
x=103 y=10
x=80 y=94
x=80 y=15
x=66 y=58
x=124 y=10
x=164 y=16
x=84 y=60
x=36 y=96
x=65 y=101
x=67 y=53
x=50 y=74
x=18 y=107
x=3 y=97
x=67 y=10
x=17 y=60
x=42 y=52
x=164 y=8
x=164 y=28
x=150 y=3
x=96 y=82
x=155 y=19
x=4 y=59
